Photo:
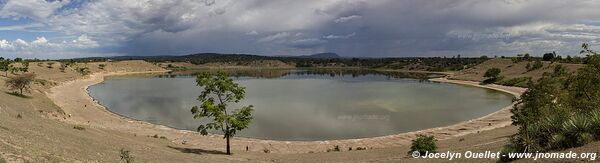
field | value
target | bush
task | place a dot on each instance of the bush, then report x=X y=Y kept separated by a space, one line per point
x=78 y=127
x=536 y=65
x=126 y=155
x=505 y=151
x=83 y=70
x=423 y=144
x=492 y=73
x=519 y=82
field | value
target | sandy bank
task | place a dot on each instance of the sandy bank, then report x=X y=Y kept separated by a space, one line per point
x=73 y=98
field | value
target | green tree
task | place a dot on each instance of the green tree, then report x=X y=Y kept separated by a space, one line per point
x=492 y=75
x=219 y=91
x=423 y=144
x=549 y=56
x=5 y=66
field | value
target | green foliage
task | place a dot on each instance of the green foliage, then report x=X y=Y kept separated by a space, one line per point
x=219 y=91
x=492 y=74
x=5 y=66
x=101 y=66
x=505 y=151
x=518 y=81
x=83 y=70
x=549 y=56
x=561 y=110
x=423 y=144
x=536 y=65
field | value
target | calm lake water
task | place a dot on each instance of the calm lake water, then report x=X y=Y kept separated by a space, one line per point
x=308 y=105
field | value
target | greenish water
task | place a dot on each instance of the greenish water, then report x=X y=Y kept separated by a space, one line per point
x=307 y=105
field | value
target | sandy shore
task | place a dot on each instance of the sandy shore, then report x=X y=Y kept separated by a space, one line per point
x=81 y=109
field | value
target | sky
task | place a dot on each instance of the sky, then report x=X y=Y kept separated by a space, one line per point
x=51 y=29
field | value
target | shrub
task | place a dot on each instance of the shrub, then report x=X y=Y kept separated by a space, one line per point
x=519 y=81
x=492 y=75
x=83 y=70
x=423 y=144
x=78 y=127
x=505 y=151
x=126 y=155
x=335 y=148
x=536 y=65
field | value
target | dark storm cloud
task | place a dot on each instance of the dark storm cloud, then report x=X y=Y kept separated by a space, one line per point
x=366 y=28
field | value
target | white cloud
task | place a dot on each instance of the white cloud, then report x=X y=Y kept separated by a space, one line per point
x=34 y=9
x=31 y=27
x=42 y=47
x=346 y=18
x=275 y=37
x=39 y=41
x=331 y=36
x=252 y=33
x=5 y=44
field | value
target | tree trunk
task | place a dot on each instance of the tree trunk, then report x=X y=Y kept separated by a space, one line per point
x=228 y=150
x=21 y=91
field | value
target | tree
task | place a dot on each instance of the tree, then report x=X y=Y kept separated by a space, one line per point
x=5 y=66
x=20 y=82
x=526 y=57
x=492 y=74
x=549 y=56
x=219 y=91
x=24 y=66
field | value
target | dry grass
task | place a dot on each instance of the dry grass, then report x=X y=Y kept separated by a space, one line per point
x=509 y=69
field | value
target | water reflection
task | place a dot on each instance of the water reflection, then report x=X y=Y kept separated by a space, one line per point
x=307 y=104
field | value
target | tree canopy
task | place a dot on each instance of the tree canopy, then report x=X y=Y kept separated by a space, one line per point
x=219 y=91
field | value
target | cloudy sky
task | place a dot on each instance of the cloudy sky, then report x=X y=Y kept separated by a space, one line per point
x=365 y=28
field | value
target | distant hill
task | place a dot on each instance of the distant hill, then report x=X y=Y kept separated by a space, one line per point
x=321 y=56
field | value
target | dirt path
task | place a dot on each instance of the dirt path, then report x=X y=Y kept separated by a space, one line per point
x=81 y=109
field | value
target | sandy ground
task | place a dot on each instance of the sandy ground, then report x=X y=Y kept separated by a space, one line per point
x=73 y=98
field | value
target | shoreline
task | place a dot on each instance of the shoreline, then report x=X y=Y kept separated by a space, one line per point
x=73 y=98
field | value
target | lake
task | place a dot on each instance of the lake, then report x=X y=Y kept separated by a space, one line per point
x=308 y=104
